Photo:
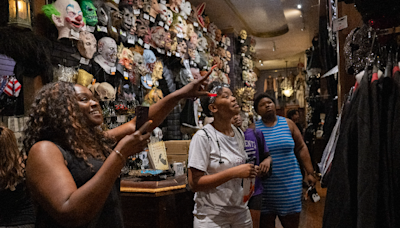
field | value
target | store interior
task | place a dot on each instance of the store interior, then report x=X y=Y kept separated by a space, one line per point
x=332 y=61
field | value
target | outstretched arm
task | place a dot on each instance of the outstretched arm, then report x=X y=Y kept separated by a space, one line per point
x=159 y=111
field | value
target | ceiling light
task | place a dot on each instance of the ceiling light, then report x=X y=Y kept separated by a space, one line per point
x=262 y=64
x=301 y=15
x=299 y=6
x=259 y=61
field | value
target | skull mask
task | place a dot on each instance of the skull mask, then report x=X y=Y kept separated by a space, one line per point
x=106 y=91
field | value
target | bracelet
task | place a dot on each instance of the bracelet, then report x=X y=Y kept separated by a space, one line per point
x=121 y=156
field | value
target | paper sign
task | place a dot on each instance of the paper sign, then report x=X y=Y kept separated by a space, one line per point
x=114 y=29
x=158 y=50
x=204 y=30
x=152 y=19
x=146 y=16
x=147 y=46
x=169 y=54
x=84 y=61
x=101 y=29
x=123 y=33
x=136 y=11
x=340 y=24
x=121 y=119
x=158 y=156
x=160 y=23
x=90 y=28
x=140 y=41
x=113 y=69
x=126 y=75
x=163 y=51
x=177 y=54
x=163 y=2
x=74 y=33
x=166 y=27
x=242 y=41
x=195 y=24
x=131 y=40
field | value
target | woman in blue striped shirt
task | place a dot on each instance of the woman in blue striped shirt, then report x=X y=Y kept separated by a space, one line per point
x=283 y=190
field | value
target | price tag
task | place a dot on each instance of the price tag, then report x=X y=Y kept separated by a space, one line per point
x=121 y=119
x=126 y=75
x=195 y=24
x=161 y=23
x=243 y=54
x=84 y=61
x=169 y=53
x=158 y=50
x=123 y=33
x=113 y=69
x=191 y=62
x=74 y=34
x=114 y=29
x=146 y=16
x=147 y=46
x=205 y=68
x=185 y=17
x=163 y=51
x=163 y=2
x=152 y=19
x=195 y=65
x=140 y=41
x=136 y=11
x=131 y=40
x=204 y=30
x=101 y=29
x=166 y=27
x=90 y=28
x=177 y=54
x=242 y=41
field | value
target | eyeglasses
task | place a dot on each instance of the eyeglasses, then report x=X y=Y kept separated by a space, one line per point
x=215 y=91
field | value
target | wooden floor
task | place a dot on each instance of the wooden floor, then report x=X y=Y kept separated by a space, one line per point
x=312 y=213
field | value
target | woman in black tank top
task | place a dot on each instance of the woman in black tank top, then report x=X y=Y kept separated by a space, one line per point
x=73 y=166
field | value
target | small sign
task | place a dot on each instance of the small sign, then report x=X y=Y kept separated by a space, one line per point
x=90 y=28
x=131 y=40
x=126 y=75
x=101 y=29
x=163 y=51
x=158 y=50
x=243 y=54
x=177 y=54
x=113 y=69
x=185 y=17
x=195 y=65
x=136 y=11
x=84 y=61
x=74 y=34
x=152 y=19
x=123 y=33
x=121 y=119
x=147 y=46
x=191 y=62
x=163 y=2
x=140 y=41
x=161 y=23
x=166 y=27
x=114 y=29
x=242 y=41
x=340 y=24
x=195 y=24
x=169 y=53
x=146 y=16
x=204 y=30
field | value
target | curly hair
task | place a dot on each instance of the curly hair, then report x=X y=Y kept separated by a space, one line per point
x=11 y=171
x=55 y=116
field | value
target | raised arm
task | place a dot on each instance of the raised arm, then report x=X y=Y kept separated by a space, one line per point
x=302 y=153
x=160 y=110
x=53 y=187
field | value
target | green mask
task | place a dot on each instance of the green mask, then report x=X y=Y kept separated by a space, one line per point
x=89 y=12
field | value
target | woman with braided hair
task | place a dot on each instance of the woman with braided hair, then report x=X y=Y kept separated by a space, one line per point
x=73 y=166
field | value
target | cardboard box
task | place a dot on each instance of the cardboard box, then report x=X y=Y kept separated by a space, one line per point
x=177 y=158
x=177 y=147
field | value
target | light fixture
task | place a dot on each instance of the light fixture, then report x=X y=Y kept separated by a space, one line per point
x=259 y=61
x=299 y=6
x=301 y=15
x=262 y=64
x=288 y=92
x=19 y=13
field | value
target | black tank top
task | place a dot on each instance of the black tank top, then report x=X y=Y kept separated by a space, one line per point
x=109 y=216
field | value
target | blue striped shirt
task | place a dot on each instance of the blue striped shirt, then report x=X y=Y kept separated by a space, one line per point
x=283 y=190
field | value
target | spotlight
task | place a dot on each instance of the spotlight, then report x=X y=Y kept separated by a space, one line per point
x=259 y=61
x=301 y=15
x=299 y=6
x=262 y=64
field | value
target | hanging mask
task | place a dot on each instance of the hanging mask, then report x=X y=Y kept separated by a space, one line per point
x=174 y=44
x=66 y=15
x=212 y=28
x=179 y=26
x=228 y=56
x=186 y=8
x=109 y=16
x=128 y=19
x=139 y=64
x=149 y=59
x=166 y=15
x=107 y=49
x=106 y=91
x=245 y=76
x=125 y=57
x=182 y=48
x=190 y=30
x=243 y=34
x=142 y=27
x=89 y=12
x=185 y=76
x=157 y=72
x=138 y=4
x=228 y=42
x=146 y=81
x=155 y=8
x=194 y=39
x=243 y=49
x=167 y=41
x=153 y=97
x=191 y=50
x=158 y=37
x=202 y=44
x=221 y=52
x=84 y=78
x=218 y=35
x=87 y=44
x=174 y=5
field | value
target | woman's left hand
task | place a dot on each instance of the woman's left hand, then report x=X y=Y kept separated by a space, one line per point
x=310 y=180
x=265 y=165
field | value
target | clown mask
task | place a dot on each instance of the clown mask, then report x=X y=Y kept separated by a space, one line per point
x=87 y=44
x=128 y=19
x=107 y=48
x=166 y=15
x=182 y=48
x=67 y=16
x=179 y=26
x=157 y=37
x=89 y=12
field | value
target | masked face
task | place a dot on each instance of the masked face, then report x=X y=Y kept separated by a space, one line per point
x=128 y=19
x=102 y=16
x=87 y=44
x=193 y=39
x=180 y=26
x=228 y=55
x=190 y=29
x=166 y=14
x=139 y=64
x=142 y=27
x=149 y=57
x=138 y=4
x=182 y=48
x=191 y=50
x=155 y=8
x=157 y=36
x=125 y=57
x=244 y=49
x=218 y=35
x=243 y=34
x=89 y=12
x=186 y=8
x=167 y=41
x=107 y=48
x=174 y=44
x=157 y=72
x=202 y=44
